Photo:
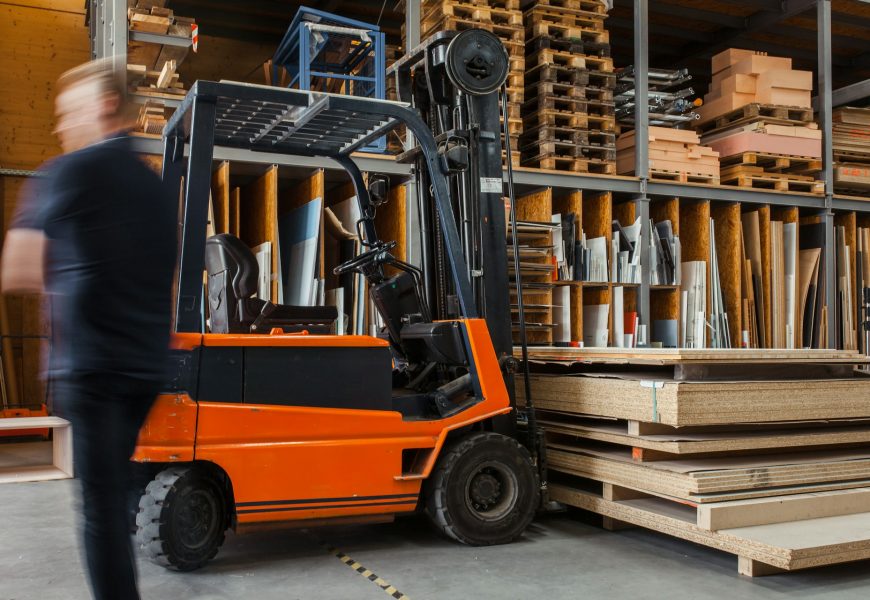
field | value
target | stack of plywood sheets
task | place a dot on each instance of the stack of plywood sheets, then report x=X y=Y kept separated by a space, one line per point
x=758 y=116
x=851 y=140
x=774 y=468
x=674 y=154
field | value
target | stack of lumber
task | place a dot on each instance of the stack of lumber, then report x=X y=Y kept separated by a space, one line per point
x=764 y=454
x=674 y=154
x=758 y=115
x=151 y=67
x=501 y=17
x=851 y=139
x=568 y=113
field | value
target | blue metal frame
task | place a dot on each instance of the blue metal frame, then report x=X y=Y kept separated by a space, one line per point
x=303 y=67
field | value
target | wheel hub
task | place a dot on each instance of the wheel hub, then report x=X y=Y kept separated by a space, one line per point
x=197 y=519
x=485 y=490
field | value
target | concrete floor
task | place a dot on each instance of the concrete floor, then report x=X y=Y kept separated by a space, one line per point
x=561 y=556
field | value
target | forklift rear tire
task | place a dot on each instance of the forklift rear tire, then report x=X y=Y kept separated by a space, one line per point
x=182 y=518
x=483 y=491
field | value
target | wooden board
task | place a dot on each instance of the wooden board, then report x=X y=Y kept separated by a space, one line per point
x=796 y=545
x=682 y=404
x=220 y=197
x=670 y=356
x=712 y=479
x=678 y=442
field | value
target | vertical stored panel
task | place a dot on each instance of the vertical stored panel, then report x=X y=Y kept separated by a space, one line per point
x=220 y=197
x=235 y=201
x=849 y=222
x=537 y=206
x=390 y=221
x=665 y=302
x=300 y=193
x=695 y=237
x=766 y=270
x=564 y=204
x=791 y=214
x=726 y=219
x=597 y=296
x=259 y=217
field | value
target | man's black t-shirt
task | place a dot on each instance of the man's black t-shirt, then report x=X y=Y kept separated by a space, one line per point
x=111 y=230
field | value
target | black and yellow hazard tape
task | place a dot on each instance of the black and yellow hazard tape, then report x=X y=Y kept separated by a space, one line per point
x=367 y=573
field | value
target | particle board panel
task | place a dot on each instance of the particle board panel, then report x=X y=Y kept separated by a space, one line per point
x=789 y=546
x=679 y=443
x=537 y=206
x=598 y=216
x=715 y=403
x=220 y=196
x=235 y=214
x=726 y=221
x=694 y=479
x=390 y=221
x=259 y=224
x=848 y=221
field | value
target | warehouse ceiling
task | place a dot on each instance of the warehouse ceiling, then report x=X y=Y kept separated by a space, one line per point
x=683 y=33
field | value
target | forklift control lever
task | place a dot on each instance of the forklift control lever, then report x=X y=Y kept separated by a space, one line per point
x=376 y=254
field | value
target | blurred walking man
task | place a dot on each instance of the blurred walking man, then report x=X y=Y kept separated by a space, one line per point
x=98 y=228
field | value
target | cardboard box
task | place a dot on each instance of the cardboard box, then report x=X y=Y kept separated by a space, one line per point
x=728 y=57
x=785 y=97
x=789 y=79
x=740 y=83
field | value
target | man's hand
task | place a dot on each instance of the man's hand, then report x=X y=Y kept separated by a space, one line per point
x=23 y=260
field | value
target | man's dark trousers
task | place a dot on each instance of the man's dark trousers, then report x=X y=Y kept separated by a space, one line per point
x=106 y=412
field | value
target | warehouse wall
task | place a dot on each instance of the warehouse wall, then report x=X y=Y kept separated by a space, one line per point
x=40 y=39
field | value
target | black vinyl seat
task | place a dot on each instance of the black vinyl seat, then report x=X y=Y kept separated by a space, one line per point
x=233 y=278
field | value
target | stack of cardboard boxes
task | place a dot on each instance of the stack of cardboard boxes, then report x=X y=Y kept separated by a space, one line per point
x=758 y=117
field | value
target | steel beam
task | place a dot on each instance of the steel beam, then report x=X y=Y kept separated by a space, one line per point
x=414 y=250
x=641 y=153
x=846 y=95
x=823 y=28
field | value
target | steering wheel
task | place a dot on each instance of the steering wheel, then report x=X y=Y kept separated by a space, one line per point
x=369 y=256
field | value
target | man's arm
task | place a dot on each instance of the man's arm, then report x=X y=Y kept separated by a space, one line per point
x=23 y=260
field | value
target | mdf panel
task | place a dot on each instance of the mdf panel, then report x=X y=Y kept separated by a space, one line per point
x=38 y=44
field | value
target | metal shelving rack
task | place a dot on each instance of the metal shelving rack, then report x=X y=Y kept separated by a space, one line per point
x=109 y=37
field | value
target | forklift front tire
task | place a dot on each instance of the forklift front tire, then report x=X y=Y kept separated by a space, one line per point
x=182 y=518
x=483 y=491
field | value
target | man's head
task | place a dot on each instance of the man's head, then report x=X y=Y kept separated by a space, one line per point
x=90 y=105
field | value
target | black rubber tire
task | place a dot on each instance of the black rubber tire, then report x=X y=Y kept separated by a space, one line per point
x=163 y=530
x=449 y=503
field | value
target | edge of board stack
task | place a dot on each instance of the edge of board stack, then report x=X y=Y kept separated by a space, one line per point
x=763 y=454
x=501 y=17
x=851 y=140
x=758 y=115
x=568 y=114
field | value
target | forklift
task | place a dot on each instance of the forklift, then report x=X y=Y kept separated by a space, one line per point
x=269 y=417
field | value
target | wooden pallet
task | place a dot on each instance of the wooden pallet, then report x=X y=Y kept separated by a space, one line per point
x=569 y=149
x=553 y=102
x=751 y=113
x=573 y=18
x=852 y=177
x=571 y=46
x=852 y=156
x=473 y=12
x=592 y=6
x=761 y=550
x=547 y=56
x=683 y=177
x=548 y=73
x=543 y=89
x=573 y=135
x=567 y=32
x=555 y=118
x=755 y=177
x=775 y=163
x=576 y=165
x=511 y=34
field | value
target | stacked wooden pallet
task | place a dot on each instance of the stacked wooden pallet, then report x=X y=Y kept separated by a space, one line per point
x=851 y=139
x=501 y=17
x=151 y=70
x=764 y=454
x=758 y=116
x=674 y=154
x=568 y=113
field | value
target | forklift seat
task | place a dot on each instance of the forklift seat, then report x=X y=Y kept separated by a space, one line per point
x=233 y=278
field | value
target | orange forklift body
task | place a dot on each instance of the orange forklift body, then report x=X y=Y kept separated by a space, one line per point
x=292 y=463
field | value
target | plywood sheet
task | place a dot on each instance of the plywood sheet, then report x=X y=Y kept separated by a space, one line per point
x=259 y=223
x=220 y=197
x=719 y=403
